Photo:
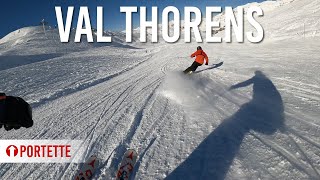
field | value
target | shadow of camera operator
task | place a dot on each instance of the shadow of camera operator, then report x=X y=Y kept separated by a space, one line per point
x=214 y=155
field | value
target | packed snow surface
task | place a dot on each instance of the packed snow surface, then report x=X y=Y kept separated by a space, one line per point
x=255 y=117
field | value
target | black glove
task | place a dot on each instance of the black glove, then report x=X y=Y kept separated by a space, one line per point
x=9 y=127
x=2 y=108
x=16 y=113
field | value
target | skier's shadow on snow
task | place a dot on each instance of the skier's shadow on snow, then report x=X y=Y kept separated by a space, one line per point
x=215 y=154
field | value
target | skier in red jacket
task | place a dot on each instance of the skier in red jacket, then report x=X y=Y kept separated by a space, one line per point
x=200 y=57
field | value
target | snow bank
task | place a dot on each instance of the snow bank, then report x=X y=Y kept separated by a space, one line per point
x=19 y=34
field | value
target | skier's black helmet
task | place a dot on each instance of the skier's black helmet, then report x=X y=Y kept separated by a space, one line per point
x=199 y=48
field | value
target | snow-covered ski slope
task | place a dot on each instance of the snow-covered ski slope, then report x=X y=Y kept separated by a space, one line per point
x=203 y=126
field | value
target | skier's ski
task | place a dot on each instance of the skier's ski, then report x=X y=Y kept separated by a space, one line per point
x=212 y=67
x=217 y=65
x=126 y=166
x=88 y=169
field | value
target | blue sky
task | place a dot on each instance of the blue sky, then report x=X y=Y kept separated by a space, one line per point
x=15 y=14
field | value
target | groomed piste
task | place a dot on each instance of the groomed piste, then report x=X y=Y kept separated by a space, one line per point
x=254 y=117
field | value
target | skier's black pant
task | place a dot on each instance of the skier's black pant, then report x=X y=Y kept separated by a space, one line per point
x=193 y=67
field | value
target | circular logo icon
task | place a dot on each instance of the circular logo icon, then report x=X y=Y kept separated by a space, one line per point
x=12 y=151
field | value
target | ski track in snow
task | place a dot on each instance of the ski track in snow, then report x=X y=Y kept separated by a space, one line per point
x=140 y=106
x=143 y=104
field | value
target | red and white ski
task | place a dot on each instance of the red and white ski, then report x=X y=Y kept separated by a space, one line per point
x=126 y=166
x=88 y=169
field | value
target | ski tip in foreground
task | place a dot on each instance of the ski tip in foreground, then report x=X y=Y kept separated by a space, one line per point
x=125 y=169
x=88 y=168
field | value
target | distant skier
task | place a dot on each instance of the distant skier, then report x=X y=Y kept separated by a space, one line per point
x=200 y=57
